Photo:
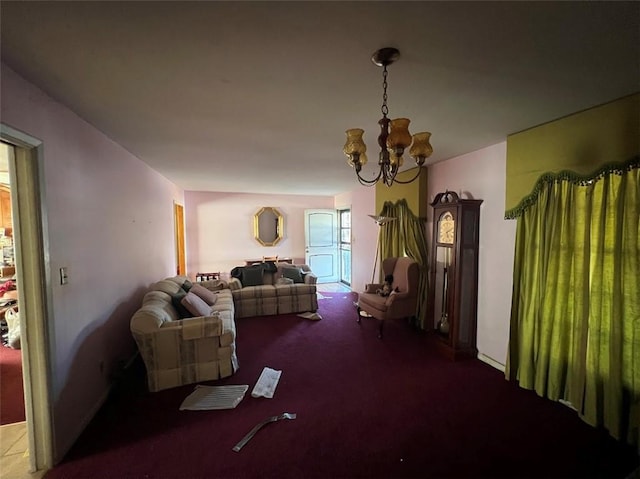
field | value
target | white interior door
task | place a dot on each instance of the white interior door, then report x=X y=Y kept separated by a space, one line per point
x=321 y=244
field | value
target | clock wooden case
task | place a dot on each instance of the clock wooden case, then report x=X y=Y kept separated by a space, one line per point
x=453 y=275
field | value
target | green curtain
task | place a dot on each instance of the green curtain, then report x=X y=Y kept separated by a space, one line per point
x=575 y=316
x=406 y=236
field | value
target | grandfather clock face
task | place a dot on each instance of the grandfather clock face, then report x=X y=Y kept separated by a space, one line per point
x=446 y=228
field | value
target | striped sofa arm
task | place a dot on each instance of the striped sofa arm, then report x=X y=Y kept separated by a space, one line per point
x=235 y=284
x=195 y=328
x=185 y=351
x=309 y=277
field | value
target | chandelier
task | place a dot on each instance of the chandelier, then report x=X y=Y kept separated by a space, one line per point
x=394 y=137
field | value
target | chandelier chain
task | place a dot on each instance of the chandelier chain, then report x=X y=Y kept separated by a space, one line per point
x=385 y=108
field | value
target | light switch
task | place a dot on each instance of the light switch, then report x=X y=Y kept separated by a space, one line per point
x=64 y=279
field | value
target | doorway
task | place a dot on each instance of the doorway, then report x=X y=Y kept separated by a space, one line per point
x=11 y=388
x=321 y=244
x=32 y=274
x=344 y=245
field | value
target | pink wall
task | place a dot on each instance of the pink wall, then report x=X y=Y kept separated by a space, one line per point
x=363 y=233
x=110 y=222
x=482 y=174
x=219 y=228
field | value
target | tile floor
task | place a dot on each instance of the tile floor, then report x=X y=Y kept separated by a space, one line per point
x=14 y=447
x=332 y=288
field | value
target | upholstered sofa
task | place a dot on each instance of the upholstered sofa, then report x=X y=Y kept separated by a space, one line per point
x=273 y=288
x=177 y=351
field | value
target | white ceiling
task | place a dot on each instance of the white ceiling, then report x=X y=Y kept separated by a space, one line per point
x=255 y=96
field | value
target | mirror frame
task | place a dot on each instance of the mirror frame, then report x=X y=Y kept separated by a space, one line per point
x=256 y=226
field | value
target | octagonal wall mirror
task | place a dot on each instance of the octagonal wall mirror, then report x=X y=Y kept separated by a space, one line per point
x=268 y=226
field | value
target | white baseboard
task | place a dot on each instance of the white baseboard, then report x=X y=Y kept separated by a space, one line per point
x=491 y=362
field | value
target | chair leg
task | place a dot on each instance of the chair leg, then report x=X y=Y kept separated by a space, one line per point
x=358 y=312
x=380 y=329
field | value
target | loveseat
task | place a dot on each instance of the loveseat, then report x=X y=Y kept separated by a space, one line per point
x=270 y=288
x=199 y=347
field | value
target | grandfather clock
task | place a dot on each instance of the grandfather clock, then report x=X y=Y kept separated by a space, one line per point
x=453 y=285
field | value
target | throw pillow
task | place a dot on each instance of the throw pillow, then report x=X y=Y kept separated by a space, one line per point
x=251 y=277
x=195 y=305
x=209 y=297
x=176 y=300
x=293 y=273
x=187 y=285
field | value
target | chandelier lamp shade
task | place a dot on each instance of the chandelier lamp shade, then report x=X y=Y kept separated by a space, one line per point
x=393 y=140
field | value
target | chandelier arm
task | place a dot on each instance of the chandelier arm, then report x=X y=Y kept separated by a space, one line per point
x=391 y=171
x=366 y=182
x=411 y=180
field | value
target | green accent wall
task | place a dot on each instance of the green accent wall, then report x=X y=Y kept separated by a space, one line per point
x=415 y=192
x=582 y=142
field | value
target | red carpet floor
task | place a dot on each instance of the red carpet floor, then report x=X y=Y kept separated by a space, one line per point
x=366 y=408
x=11 y=388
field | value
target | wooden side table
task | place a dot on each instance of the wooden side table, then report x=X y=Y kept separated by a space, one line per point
x=207 y=276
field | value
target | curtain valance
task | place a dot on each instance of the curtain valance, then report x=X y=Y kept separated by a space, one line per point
x=578 y=147
x=573 y=177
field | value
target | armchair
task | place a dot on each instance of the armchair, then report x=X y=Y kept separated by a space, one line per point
x=402 y=302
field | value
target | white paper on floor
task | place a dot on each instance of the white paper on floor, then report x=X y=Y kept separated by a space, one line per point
x=214 y=397
x=310 y=315
x=266 y=384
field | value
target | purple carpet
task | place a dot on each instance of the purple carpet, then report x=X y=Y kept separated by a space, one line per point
x=11 y=388
x=365 y=408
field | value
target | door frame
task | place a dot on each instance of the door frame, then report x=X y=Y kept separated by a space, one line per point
x=26 y=168
x=178 y=218
x=340 y=249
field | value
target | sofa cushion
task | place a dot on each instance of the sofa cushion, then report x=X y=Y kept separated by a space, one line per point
x=251 y=276
x=293 y=273
x=195 y=305
x=168 y=286
x=295 y=289
x=214 y=284
x=224 y=301
x=263 y=291
x=181 y=281
x=208 y=296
